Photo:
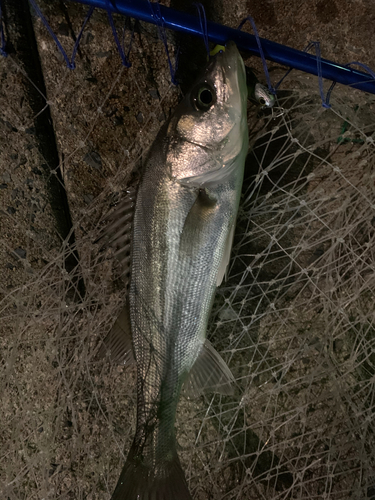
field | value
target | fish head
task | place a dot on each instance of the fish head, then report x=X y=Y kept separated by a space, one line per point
x=208 y=130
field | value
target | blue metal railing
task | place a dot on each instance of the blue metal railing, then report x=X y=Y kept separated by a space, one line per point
x=153 y=13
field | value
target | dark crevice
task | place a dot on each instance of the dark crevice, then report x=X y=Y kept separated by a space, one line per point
x=21 y=42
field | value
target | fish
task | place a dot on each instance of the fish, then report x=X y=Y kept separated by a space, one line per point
x=180 y=221
x=258 y=92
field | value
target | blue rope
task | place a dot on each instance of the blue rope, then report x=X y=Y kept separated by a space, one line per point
x=130 y=43
x=290 y=69
x=50 y=31
x=120 y=49
x=283 y=78
x=157 y=15
x=264 y=63
x=69 y=63
x=203 y=23
x=3 y=52
x=325 y=104
x=328 y=96
x=325 y=101
x=77 y=42
x=364 y=66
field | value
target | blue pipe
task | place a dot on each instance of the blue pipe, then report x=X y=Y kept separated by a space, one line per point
x=219 y=34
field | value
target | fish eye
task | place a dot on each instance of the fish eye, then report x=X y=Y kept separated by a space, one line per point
x=262 y=100
x=204 y=98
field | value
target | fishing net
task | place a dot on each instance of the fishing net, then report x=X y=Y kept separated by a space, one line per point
x=294 y=320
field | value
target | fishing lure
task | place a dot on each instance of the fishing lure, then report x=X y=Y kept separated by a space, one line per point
x=258 y=92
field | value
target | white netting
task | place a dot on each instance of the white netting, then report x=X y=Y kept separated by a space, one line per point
x=294 y=321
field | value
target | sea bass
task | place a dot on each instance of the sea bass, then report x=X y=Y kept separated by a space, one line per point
x=182 y=231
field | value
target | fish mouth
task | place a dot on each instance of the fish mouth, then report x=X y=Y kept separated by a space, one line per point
x=232 y=62
x=229 y=64
x=231 y=56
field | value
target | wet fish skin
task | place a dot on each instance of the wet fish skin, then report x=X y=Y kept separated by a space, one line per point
x=183 y=227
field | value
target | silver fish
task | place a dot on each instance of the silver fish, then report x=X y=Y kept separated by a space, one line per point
x=182 y=232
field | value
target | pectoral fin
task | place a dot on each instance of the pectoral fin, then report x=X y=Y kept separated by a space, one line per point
x=194 y=232
x=209 y=373
x=224 y=264
x=118 y=342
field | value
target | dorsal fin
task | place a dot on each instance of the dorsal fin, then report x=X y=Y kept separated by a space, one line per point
x=117 y=233
x=119 y=224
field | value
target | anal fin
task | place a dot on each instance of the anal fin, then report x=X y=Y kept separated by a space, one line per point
x=118 y=342
x=209 y=373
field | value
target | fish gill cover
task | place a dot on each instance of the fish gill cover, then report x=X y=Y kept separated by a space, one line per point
x=294 y=321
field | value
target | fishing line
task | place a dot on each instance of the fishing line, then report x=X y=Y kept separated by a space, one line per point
x=69 y=63
x=130 y=43
x=325 y=100
x=264 y=63
x=319 y=67
x=164 y=18
x=203 y=23
x=158 y=17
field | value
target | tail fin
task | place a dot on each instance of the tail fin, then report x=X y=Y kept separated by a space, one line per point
x=140 y=482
